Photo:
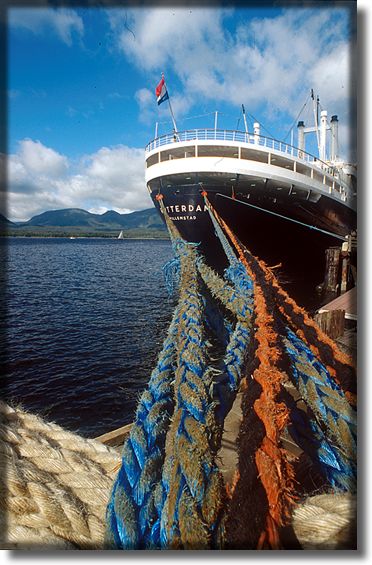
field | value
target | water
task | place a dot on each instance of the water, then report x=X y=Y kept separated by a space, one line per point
x=85 y=322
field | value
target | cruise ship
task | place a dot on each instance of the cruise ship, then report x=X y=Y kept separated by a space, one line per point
x=285 y=204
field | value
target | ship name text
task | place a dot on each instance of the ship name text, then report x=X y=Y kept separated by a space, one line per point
x=183 y=208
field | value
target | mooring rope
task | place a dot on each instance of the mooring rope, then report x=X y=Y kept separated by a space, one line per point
x=272 y=213
x=274 y=470
x=55 y=485
x=169 y=491
x=189 y=488
x=182 y=503
x=339 y=365
x=329 y=406
x=131 y=512
x=326 y=521
x=332 y=412
x=192 y=480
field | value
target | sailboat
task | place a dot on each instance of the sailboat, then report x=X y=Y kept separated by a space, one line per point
x=121 y=235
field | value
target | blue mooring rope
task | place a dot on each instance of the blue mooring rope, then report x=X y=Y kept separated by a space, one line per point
x=334 y=421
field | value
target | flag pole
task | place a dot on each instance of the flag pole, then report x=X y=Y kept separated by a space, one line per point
x=245 y=119
x=170 y=109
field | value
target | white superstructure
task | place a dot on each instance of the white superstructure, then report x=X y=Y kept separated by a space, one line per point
x=253 y=159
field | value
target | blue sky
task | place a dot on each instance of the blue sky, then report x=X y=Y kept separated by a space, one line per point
x=81 y=101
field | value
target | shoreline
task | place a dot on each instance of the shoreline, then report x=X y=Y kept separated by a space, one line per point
x=2 y=236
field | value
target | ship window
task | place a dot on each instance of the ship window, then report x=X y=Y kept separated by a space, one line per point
x=177 y=153
x=254 y=155
x=303 y=169
x=217 y=151
x=318 y=176
x=279 y=161
x=152 y=160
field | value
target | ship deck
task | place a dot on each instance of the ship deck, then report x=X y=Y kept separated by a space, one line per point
x=244 y=161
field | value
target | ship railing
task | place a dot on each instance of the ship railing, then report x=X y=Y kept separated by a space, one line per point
x=241 y=137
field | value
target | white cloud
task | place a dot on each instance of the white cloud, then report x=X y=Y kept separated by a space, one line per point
x=41 y=179
x=145 y=100
x=162 y=34
x=41 y=160
x=62 y=21
x=268 y=64
x=331 y=74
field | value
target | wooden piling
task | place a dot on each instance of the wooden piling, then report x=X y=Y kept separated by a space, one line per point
x=331 y=276
x=332 y=322
x=345 y=268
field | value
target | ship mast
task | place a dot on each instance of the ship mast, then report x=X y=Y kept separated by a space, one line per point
x=320 y=129
x=316 y=117
x=245 y=119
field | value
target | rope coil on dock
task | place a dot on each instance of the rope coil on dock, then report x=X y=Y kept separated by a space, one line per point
x=54 y=484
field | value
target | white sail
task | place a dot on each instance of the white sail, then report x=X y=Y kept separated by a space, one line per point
x=121 y=235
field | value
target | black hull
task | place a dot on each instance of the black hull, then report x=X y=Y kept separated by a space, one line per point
x=299 y=250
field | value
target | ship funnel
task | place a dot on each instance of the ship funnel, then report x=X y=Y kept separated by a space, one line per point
x=256 y=129
x=323 y=135
x=301 y=138
x=334 y=138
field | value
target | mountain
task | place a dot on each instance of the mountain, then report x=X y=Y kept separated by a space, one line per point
x=110 y=220
x=4 y=222
x=61 y=218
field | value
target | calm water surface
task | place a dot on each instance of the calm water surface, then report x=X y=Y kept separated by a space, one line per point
x=86 y=319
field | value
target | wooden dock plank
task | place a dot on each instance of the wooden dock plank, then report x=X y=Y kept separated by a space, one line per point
x=116 y=437
x=346 y=302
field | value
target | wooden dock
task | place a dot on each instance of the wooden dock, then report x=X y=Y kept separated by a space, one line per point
x=332 y=317
x=346 y=302
x=115 y=438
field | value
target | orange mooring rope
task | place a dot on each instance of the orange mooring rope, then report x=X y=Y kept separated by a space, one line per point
x=339 y=365
x=274 y=470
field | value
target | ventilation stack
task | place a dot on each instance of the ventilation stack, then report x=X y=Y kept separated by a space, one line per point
x=301 y=138
x=334 y=139
x=256 y=129
x=323 y=136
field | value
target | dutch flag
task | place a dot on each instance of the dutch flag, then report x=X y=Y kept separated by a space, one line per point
x=161 y=92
